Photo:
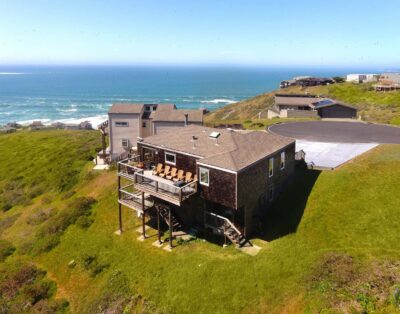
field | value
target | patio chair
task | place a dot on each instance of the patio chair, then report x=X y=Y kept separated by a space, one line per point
x=158 y=170
x=166 y=171
x=180 y=176
x=188 y=177
x=172 y=174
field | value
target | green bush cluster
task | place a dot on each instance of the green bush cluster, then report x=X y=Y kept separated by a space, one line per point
x=24 y=288
x=93 y=265
x=48 y=236
x=46 y=161
x=6 y=249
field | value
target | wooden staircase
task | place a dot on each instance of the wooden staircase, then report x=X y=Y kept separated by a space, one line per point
x=233 y=234
x=175 y=221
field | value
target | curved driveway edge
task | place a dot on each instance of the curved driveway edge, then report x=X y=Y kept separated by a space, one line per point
x=338 y=132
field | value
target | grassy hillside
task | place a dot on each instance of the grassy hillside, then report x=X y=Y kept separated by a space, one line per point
x=330 y=243
x=373 y=106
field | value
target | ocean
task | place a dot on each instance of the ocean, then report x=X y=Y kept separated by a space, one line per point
x=72 y=94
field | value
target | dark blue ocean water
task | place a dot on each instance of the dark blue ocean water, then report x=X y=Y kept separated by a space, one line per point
x=73 y=93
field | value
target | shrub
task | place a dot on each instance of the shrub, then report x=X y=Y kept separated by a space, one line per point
x=49 y=234
x=68 y=195
x=24 y=288
x=39 y=216
x=39 y=291
x=84 y=222
x=6 y=249
x=91 y=264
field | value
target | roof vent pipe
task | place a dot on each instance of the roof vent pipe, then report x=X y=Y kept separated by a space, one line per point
x=186 y=119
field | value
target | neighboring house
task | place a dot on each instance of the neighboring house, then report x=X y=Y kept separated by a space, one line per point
x=388 y=82
x=7 y=129
x=130 y=122
x=309 y=106
x=230 y=178
x=36 y=125
x=85 y=125
x=305 y=81
x=361 y=78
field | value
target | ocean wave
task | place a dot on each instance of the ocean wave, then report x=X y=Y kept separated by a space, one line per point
x=67 y=110
x=13 y=73
x=218 y=101
x=94 y=120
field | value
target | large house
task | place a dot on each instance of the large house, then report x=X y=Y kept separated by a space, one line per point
x=388 y=82
x=305 y=81
x=129 y=122
x=216 y=180
x=361 y=78
x=309 y=106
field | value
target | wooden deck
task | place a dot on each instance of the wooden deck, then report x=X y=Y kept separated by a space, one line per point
x=144 y=181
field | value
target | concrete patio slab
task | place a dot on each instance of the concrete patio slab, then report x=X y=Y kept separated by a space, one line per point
x=331 y=155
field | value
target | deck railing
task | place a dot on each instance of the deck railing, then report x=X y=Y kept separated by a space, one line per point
x=163 y=189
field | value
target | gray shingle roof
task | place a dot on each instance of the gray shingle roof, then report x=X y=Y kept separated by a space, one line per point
x=126 y=108
x=296 y=101
x=232 y=151
x=166 y=113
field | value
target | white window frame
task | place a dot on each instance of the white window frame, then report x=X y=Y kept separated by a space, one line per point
x=283 y=160
x=123 y=124
x=201 y=169
x=270 y=167
x=127 y=143
x=170 y=162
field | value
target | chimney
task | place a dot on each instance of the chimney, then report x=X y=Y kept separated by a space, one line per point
x=186 y=119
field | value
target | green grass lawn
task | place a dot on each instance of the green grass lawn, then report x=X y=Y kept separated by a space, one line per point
x=330 y=243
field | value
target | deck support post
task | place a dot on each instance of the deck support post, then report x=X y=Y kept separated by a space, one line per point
x=170 y=228
x=158 y=225
x=119 y=204
x=120 y=217
x=143 y=218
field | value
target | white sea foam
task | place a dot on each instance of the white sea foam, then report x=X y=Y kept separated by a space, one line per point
x=95 y=120
x=12 y=73
x=218 y=101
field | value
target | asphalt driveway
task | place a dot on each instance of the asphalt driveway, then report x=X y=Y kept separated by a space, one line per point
x=338 y=132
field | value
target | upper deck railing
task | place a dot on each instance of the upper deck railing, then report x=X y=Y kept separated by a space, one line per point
x=174 y=192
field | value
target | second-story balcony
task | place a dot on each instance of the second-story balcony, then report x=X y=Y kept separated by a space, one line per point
x=144 y=180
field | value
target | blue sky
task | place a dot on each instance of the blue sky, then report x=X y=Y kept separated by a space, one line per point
x=282 y=33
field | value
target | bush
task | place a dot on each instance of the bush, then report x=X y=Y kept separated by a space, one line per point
x=6 y=249
x=39 y=291
x=48 y=236
x=39 y=216
x=91 y=264
x=84 y=222
x=68 y=195
x=24 y=288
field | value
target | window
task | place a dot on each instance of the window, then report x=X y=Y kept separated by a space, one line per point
x=283 y=160
x=170 y=159
x=204 y=176
x=121 y=123
x=143 y=124
x=271 y=193
x=147 y=108
x=271 y=167
x=125 y=142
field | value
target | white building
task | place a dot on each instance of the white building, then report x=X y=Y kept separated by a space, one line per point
x=128 y=122
x=361 y=78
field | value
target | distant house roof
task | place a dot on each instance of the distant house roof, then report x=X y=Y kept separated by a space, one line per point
x=330 y=102
x=296 y=100
x=231 y=150
x=166 y=113
x=126 y=108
